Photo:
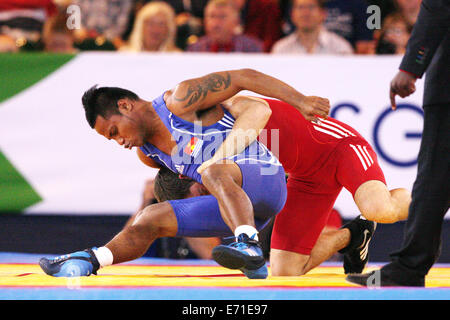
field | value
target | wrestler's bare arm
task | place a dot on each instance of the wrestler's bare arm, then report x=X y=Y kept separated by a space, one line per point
x=251 y=115
x=212 y=89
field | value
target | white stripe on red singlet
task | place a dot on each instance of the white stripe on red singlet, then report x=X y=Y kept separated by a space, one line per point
x=338 y=126
x=359 y=156
x=331 y=133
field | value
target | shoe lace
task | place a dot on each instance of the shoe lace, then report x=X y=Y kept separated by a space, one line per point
x=60 y=258
x=241 y=242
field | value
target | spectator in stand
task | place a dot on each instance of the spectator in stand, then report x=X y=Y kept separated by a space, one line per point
x=394 y=35
x=310 y=36
x=7 y=44
x=386 y=7
x=56 y=37
x=261 y=19
x=188 y=17
x=103 y=23
x=409 y=9
x=221 y=24
x=348 y=18
x=154 y=29
x=23 y=20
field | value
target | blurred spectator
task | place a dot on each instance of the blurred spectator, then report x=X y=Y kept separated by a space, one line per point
x=154 y=29
x=409 y=9
x=188 y=18
x=192 y=7
x=56 y=37
x=97 y=43
x=386 y=7
x=23 y=20
x=310 y=36
x=348 y=18
x=7 y=44
x=221 y=24
x=103 y=22
x=394 y=35
x=261 y=19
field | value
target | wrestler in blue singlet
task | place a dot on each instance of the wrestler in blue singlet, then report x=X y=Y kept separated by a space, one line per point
x=263 y=177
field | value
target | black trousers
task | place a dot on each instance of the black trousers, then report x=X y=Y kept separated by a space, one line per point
x=430 y=199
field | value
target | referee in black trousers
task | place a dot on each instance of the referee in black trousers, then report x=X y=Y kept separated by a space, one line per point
x=428 y=50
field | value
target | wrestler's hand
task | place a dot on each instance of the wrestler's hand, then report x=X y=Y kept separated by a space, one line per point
x=403 y=84
x=312 y=107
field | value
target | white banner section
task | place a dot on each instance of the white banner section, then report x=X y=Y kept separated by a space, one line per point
x=44 y=133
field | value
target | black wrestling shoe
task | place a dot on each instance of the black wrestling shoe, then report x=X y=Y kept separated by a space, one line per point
x=356 y=254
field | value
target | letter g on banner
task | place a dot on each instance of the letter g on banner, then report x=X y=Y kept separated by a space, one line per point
x=408 y=135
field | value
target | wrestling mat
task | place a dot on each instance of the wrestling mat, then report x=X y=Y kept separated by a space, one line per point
x=160 y=279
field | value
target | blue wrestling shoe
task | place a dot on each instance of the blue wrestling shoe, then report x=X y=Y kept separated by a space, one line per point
x=245 y=254
x=77 y=264
x=260 y=273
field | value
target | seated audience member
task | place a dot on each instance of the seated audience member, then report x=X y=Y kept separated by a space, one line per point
x=221 y=25
x=348 y=18
x=394 y=35
x=188 y=18
x=154 y=29
x=7 y=44
x=261 y=19
x=386 y=7
x=23 y=21
x=103 y=23
x=409 y=9
x=310 y=36
x=56 y=37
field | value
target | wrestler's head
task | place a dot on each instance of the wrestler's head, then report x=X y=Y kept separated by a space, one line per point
x=117 y=114
x=173 y=186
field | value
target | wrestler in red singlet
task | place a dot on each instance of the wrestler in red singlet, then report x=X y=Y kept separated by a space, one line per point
x=320 y=159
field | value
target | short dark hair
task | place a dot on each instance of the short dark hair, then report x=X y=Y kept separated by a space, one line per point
x=103 y=102
x=168 y=185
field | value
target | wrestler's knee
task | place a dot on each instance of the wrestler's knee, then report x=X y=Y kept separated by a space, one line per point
x=214 y=175
x=382 y=211
x=285 y=263
x=156 y=220
x=374 y=202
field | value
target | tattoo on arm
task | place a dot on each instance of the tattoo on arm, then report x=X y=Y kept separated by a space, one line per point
x=198 y=92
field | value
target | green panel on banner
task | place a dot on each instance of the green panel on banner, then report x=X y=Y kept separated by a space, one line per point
x=19 y=71
x=16 y=194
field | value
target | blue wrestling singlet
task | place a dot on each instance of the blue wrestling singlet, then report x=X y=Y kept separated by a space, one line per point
x=263 y=175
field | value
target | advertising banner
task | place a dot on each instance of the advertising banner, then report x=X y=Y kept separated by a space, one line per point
x=51 y=161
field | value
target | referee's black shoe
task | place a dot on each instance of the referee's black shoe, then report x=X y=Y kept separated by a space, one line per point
x=356 y=254
x=390 y=275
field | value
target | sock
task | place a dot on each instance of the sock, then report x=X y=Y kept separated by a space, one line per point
x=356 y=237
x=104 y=256
x=248 y=230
